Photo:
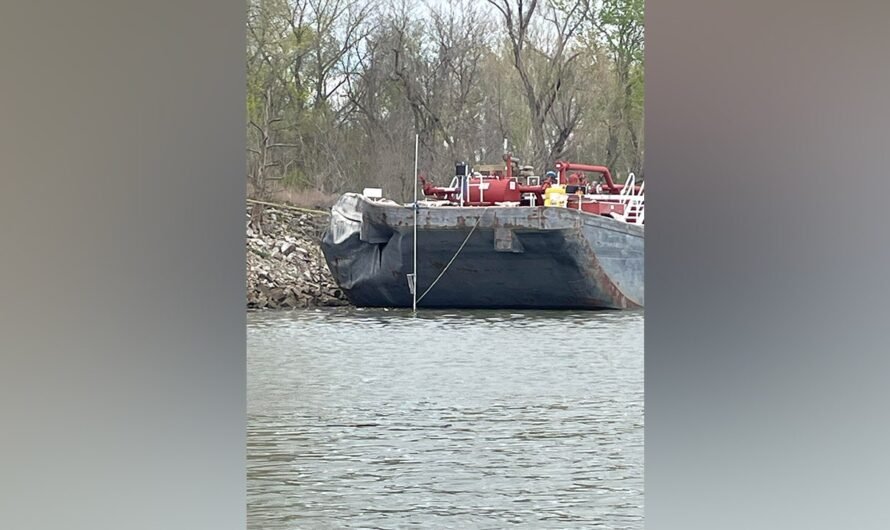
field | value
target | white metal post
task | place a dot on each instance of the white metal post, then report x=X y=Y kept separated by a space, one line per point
x=416 y=211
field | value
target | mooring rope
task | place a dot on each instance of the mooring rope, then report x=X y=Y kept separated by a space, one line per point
x=462 y=245
x=288 y=207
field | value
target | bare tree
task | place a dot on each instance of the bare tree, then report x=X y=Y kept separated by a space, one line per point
x=338 y=88
x=259 y=177
x=543 y=68
x=339 y=26
x=619 y=25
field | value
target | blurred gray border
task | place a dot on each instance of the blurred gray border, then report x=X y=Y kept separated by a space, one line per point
x=766 y=363
x=122 y=320
x=122 y=388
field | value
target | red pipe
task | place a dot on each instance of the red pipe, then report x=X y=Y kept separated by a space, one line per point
x=532 y=189
x=563 y=167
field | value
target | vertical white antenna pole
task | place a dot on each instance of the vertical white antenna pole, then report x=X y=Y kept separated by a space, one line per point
x=416 y=211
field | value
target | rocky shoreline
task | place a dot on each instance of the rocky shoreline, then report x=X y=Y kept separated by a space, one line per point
x=285 y=266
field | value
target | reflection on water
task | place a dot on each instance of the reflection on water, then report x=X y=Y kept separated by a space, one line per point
x=373 y=418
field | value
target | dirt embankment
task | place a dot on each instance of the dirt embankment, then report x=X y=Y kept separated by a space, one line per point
x=285 y=266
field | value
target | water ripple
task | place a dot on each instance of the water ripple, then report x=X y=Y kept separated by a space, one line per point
x=381 y=419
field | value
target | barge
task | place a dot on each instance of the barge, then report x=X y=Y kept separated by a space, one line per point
x=497 y=237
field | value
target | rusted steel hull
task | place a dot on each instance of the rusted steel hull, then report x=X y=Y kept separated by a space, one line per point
x=515 y=257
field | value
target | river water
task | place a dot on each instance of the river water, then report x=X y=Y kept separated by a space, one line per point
x=481 y=419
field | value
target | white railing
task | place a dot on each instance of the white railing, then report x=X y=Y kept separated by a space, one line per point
x=633 y=200
x=641 y=211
